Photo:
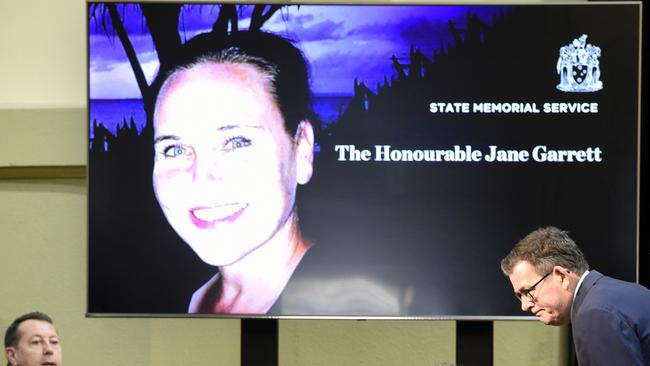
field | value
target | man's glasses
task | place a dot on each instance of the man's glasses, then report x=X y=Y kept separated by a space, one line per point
x=527 y=292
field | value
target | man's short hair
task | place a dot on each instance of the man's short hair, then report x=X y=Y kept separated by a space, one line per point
x=544 y=249
x=11 y=335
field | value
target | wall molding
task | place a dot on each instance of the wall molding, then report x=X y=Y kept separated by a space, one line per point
x=43 y=172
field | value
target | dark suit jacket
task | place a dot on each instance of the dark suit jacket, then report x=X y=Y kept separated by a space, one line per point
x=611 y=322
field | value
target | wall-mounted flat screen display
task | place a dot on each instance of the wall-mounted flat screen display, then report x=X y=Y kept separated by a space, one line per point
x=353 y=161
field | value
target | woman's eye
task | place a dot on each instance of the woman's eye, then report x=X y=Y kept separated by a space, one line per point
x=174 y=151
x=238 y=142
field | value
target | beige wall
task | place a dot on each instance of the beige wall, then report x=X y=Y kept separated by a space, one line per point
x=43 y=235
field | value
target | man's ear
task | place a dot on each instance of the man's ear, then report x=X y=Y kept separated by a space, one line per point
x=304 y=145
x=563 y=274
x=10 y=354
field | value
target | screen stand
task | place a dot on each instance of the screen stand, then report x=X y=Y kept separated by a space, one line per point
x=259 y=342
x=474 y=343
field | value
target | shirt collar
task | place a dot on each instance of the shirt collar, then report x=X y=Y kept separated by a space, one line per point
x=575 y=293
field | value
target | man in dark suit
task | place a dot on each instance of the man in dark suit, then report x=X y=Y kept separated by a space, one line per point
x=610 y=318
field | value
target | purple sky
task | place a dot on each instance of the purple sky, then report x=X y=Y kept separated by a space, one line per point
x=341 y=42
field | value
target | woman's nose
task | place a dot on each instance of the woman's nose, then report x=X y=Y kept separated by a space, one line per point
x=206 y=168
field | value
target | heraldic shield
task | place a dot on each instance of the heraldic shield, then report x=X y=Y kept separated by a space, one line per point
x=578 y=67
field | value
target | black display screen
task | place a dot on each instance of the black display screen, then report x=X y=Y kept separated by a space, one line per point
x=353 y=160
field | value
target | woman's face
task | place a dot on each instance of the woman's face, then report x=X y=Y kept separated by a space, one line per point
x=225 y=169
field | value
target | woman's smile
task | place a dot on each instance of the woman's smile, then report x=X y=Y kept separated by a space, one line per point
x=208 y=217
